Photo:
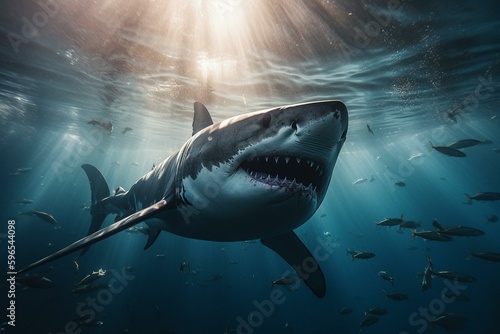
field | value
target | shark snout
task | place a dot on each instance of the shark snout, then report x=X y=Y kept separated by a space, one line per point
x=336 y=112
x=319 y=127
x=344 y=118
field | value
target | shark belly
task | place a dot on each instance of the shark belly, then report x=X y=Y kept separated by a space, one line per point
x=212 y=214
x=191 y=223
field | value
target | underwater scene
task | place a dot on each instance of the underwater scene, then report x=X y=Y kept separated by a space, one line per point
x=250 y=166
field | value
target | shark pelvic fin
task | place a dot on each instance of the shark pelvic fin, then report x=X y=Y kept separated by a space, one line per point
x=153 y=234
x=293 y=251
x=201 y=117
x=104 y=233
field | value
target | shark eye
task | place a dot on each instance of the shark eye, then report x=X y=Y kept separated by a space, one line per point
x=265 y=120
x=294 y=125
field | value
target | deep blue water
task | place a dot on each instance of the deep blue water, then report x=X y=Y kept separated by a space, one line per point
x=415 y=71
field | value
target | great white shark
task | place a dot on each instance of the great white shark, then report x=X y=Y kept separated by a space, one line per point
x=255 y=176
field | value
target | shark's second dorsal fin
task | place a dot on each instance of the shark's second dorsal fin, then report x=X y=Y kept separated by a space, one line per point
x=201 y=117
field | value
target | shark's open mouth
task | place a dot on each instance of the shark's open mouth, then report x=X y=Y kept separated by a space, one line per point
x=294 y=174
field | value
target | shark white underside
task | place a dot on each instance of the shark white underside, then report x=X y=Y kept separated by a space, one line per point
x=255 y=176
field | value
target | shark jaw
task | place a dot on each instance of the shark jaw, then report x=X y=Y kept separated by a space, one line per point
x=275 y=180
x=293 y=174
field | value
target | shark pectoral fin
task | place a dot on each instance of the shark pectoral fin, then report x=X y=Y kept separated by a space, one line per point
x=201 y=117
x=104 y=233
x=95 y=224
x=293 y=251
x=153 y=234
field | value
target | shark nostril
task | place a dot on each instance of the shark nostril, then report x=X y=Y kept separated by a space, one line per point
x=294 y=125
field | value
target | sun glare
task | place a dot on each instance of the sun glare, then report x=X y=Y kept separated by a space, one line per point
x=192 y=49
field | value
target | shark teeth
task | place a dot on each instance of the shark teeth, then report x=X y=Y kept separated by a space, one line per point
x=277 y=159
x=295 y=174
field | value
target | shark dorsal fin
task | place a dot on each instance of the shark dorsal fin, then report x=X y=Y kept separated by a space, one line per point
x=201 y=117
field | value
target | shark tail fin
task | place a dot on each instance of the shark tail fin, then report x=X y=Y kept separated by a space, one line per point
x=99 y=190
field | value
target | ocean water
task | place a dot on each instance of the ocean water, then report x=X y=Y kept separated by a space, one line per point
x=414 y=71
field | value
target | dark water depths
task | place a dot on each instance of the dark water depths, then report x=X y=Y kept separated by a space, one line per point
x=415 y=71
